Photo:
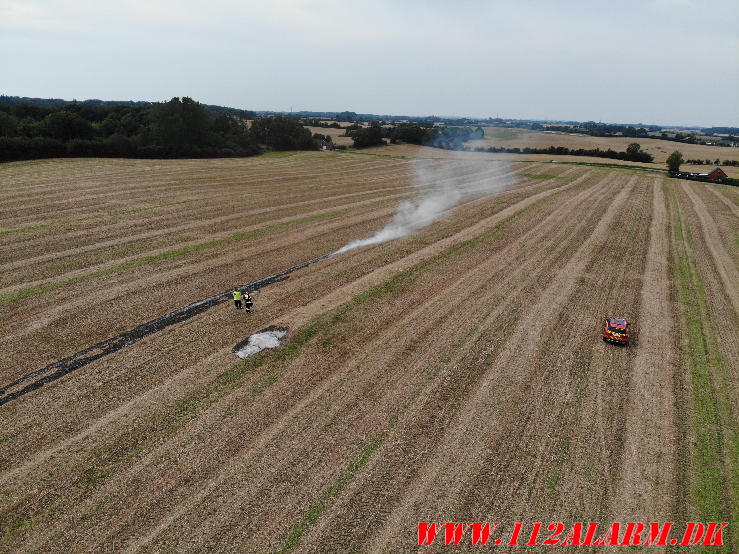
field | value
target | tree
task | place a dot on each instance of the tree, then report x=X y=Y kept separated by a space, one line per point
x=66 y=125
x=280 y=132
x=634 y=153
x=166 y=125
x=368 y=136
x=179 y=124
x=8 y=125
x=346 y=116
x=674 y=160
x=408 y=132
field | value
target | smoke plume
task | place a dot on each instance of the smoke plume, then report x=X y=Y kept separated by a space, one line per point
x=441 y=184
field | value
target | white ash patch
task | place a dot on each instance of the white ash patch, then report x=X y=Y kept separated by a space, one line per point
x=271 y=337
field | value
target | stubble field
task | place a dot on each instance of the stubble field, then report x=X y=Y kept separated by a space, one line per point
x=457 y=374
x=660 y=149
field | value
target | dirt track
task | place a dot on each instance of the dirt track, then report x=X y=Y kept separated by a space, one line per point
x=453 y=375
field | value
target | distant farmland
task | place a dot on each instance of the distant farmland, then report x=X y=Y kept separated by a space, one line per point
x=660 y=149
x=337 y=135
x=457 y=374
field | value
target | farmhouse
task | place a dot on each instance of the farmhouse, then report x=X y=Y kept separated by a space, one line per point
x=716 y=176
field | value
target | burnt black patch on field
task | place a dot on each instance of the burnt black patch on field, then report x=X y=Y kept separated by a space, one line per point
x=59 y=369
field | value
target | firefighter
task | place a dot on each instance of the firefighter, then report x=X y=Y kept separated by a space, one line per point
x=238 y=297
x=248 y=302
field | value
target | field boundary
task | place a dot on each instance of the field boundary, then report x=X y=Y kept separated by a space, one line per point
x=709 y=405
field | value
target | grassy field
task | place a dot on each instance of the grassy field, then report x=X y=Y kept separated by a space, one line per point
x=457 y=374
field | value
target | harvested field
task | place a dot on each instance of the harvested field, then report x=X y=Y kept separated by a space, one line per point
x=660 y=149
x=455 y=374
x=337 y=135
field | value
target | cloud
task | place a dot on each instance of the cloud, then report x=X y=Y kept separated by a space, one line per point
x=614 y=61
x=18 y=15
x=103 y=15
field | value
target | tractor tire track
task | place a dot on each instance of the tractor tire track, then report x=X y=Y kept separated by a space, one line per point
x=153 y=252
x=728 y=203
x=239 y=463
x=467 y=433
x=587 y=386
x=223 y=258
x=709 y=386
x=646 y=489
x=291 y=318
x=184 y=244
x=433 y=315
x=267 y=450
x=393 y=469
x=724 y=264
x=192 y=182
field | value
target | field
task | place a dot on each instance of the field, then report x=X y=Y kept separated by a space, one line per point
x=337 y=135
x=457 y=374
x=660 y=149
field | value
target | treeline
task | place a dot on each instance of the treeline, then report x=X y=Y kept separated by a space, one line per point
x=175 y=129
x=692 y=138
x=638 y=156
x=450 y=138
x=57 y=102
x=279 y=132
x=714 y=162
x=375 y=134
x=594 y=129
x=453 y=138
x=721 y=130
x=315 y=122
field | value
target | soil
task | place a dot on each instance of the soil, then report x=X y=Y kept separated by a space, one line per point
x=457 y=374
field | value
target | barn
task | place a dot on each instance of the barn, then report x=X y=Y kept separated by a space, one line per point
x=716 y=176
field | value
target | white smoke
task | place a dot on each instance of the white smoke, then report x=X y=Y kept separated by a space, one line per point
x=445 y=183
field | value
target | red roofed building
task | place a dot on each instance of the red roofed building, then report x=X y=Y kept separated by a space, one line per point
x=716 y=174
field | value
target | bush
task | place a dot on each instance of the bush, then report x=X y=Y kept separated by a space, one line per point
x=368 y=136
x=119 y=146
x=674 y=161
x=85 y=148
x=24 y=148
x=282 y=133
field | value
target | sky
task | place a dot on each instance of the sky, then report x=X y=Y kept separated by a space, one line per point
x=664 y=62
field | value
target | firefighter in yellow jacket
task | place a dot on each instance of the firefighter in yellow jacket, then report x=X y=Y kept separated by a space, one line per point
x=238 y=297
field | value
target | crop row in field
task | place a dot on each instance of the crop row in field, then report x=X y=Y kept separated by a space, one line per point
x=455 y=372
